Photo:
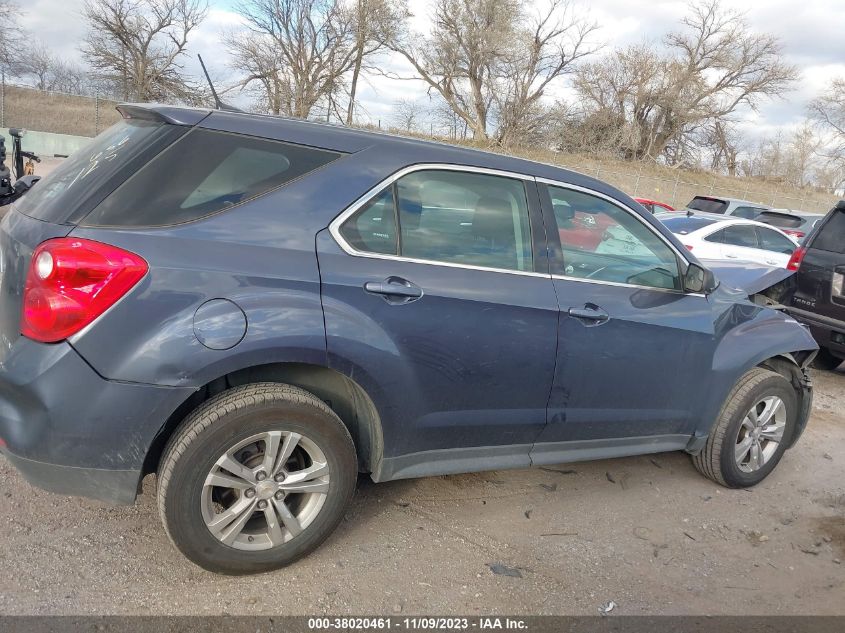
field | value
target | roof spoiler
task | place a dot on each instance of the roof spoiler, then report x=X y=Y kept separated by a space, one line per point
x=162 y=113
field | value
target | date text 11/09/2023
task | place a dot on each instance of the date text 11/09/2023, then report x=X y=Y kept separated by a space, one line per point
x=417 y=624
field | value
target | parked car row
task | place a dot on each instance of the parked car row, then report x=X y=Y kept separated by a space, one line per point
x=796 y=224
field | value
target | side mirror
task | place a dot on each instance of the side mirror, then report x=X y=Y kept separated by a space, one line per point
x=699 y=279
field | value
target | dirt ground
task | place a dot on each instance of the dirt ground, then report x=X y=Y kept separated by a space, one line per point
x=647 y=532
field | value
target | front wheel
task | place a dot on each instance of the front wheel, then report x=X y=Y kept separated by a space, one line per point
x=752 y=431
x=255 y=478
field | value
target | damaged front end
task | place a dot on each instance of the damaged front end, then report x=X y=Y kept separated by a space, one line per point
x=764 y=285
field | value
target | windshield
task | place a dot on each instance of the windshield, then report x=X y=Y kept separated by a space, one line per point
x=80 y=182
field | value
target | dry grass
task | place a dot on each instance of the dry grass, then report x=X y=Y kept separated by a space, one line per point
x=59 y=113
x=84 y=116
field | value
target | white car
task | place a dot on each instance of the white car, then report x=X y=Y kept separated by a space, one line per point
x=720 y=237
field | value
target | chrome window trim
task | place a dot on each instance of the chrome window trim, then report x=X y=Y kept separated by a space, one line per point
x=334 y=227
x=614 y=201
x=630 y=211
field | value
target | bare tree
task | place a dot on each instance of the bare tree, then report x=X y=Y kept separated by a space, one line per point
x=705 y=72
x=828 y=111
x=374 y=22
x=296 y=51
x=138 y=44
x=406 y=114
x=12 y=38
x=544 y=49
x=492 y=60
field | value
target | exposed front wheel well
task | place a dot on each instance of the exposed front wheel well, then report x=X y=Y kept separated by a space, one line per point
x=344 y=396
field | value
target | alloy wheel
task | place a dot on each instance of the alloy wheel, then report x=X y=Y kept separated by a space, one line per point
x=760 y=434
x=265 y=490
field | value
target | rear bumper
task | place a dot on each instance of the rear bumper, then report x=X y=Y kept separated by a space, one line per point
x=822 y=328
x=70 y=431
x=117 y=487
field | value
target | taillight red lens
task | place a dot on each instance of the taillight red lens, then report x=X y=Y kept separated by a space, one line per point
x=71 y=282
x=797 y=234
x=689 y=248
x=797 y=256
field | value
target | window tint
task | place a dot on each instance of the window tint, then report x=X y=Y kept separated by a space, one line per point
x=708 y=205
x=773 y=241
x=831 y=236
x=749 y=213
x=373 y=228
x=202 y=173
x=602 y=242
x=80 y=182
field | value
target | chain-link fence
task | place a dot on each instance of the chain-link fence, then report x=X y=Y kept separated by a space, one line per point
x=678 y=191
x=56 y=112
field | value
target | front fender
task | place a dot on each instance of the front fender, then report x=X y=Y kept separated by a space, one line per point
x=747 y=335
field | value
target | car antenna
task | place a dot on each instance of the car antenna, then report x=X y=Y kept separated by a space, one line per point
x=217 y=102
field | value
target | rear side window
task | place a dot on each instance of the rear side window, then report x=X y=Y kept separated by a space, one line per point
x=831 y=236
x=708 y=205
x=773 y=241
x=205 y=172
x=373 y=228
x=447 y=216
x=737 y=235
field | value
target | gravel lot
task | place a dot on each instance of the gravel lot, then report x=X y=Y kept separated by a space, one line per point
x=647 y=532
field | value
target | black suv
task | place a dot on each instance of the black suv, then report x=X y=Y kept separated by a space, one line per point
x=819 y=295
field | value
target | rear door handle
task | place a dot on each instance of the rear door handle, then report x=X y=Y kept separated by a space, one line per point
x=394 y=290
x=590 y=312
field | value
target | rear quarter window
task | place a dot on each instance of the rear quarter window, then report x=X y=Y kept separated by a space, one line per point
x=203 y=173
x=831 y=235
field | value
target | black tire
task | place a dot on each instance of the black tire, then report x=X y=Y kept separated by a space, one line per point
x=219 y=424
x=826 y=360
x=717 y=460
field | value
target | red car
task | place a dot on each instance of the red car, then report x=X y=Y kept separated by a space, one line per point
x=653 y=205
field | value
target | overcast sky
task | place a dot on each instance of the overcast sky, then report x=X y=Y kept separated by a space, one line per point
x=811 y=32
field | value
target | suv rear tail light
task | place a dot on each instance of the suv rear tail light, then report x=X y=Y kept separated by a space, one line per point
x=795 y=234
x=797 y=256
x=71 y=282
x=689 y=248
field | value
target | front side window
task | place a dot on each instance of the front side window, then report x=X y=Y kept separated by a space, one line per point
x=448 y=216
x=204 y=172
x=600 y=241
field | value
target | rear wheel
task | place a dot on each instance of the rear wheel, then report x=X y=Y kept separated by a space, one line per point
x=255 y=478
x=752 y=431
x=826 y=360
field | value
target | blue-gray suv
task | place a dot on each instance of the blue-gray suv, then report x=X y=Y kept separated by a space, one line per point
x=258 y=309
